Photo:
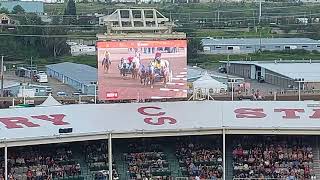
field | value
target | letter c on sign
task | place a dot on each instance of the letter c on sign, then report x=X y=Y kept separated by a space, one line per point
x=142 y=110
x=161 y=120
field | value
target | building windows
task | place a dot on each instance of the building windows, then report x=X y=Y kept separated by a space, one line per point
x=218 y=47
x=304 y=46
x=278 y=47
x=287 y=47
x=318 y=46
x=230 y=48
x=248 y=47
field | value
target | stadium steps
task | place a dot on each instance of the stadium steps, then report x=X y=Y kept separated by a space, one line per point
x=229 y=160
x=79 y=157
x=122 y=167
x=173 y=160
x=316 y=157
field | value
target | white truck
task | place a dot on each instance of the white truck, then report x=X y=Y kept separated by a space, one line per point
x=42 y=77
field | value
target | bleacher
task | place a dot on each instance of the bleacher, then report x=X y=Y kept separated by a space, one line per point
x=169 y=158
x=200 y=158
x=273 y=157
x=147 y=161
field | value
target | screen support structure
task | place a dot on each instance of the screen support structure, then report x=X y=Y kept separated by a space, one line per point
x=110 y=156
x=6 y=162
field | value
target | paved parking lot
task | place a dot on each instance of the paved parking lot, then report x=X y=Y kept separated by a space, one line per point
x=10 y=78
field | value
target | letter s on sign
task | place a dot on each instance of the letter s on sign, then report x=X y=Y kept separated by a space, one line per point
x=161 y=120
x=142 y=110
x=249 y=113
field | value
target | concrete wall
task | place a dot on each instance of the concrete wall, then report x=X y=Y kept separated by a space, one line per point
x=278 y=79
x=242 y=70
x=249 y=71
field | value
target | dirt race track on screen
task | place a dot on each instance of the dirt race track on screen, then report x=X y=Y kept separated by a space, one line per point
x=129 y=88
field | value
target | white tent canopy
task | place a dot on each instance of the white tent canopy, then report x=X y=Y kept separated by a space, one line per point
x=207 y=84
x=50 y=101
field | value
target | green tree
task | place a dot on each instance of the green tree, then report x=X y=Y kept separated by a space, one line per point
x=4 y=10
x=71 y=8
x=70 y=12
x=18 y=10
x=54 y=45
x=194 y=46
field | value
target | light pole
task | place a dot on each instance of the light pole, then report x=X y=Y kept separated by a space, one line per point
x=95 y=93
x=299 y=92
x=299 y=81
x=232 y=91
x=232 y=81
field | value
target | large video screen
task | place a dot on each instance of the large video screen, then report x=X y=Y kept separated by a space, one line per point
x=142 y=69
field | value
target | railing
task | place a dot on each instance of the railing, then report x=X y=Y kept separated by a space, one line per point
x=189 y=178
x=259 y=178
x=312 y=178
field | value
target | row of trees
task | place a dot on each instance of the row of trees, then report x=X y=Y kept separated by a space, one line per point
x=32 y=37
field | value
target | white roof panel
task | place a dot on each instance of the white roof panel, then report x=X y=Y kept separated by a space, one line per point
x=155 y=117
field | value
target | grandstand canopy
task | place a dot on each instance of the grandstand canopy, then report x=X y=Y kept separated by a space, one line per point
x=39 y=125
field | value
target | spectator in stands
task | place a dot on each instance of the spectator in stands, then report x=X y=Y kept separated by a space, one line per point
x=200 y=160
x=147 y=162
x=272 y=159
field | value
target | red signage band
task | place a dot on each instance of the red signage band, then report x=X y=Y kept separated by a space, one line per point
x=137 y=44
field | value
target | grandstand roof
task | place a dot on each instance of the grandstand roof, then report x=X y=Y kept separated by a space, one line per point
x=141 y=120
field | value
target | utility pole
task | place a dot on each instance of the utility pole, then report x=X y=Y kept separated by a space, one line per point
x=218 y=17
x=228 y=65
x=31 y=73
x=260 y=39
x=254 y=19
x=260 y=9
x=2 y=79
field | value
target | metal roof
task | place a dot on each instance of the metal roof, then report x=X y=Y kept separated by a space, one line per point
x=310 y=71
x=82 y=73
x=256 y=41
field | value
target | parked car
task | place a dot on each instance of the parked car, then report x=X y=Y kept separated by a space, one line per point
x=62 y=94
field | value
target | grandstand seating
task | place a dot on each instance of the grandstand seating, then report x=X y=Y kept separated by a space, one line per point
x=96 y=157
x=147 y=161
x=42 y=162
x=273 y=157
x=200 y=157
x=196 y=157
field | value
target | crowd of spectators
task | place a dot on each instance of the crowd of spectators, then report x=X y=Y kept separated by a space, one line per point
x=96 y=156
x=200 y=158
x=272 y=157
x=41 y=163
x=146 y=162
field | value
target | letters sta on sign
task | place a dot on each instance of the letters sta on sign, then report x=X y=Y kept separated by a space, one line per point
x=287 y=113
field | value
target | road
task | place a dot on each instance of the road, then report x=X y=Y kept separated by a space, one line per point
x=128 y=88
